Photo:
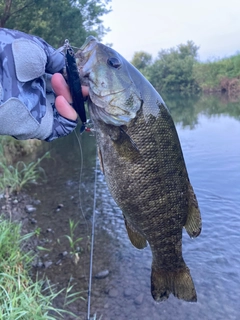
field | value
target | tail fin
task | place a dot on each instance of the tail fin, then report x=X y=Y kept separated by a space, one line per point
x=178 y=282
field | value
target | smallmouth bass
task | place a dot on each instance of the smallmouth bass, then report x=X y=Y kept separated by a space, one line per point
x=143 y=164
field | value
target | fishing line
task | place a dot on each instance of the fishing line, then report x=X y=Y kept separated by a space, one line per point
x=92 y=241
x=93 y=221
x=80 y=179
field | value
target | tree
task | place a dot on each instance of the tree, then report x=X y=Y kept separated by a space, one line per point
x=141 y=60
x=11 y=7
x=56 y=20
x=173 y=69
x=188 y=50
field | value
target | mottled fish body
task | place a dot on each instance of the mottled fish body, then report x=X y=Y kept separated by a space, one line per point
x=143 y=164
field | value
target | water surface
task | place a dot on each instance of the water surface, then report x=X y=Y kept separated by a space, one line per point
x=209 y=131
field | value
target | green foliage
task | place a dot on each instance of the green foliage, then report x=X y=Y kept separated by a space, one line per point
x=141 y=60
x=19 y=297
x=56 y=21
x=188 y=50
x=12 y=149
x=173 y=69
x=15 y=177
x=209 y=75
x=177 y=70
x=10 y=7
x=73 y=241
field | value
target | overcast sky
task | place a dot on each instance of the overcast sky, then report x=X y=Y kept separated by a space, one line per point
x=152 y=25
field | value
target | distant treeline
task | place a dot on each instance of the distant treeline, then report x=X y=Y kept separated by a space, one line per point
x=178 y=69
x=174 y=70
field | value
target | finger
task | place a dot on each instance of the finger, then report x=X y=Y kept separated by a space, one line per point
x=60 y=87
x=85 y=91
x=64 y=108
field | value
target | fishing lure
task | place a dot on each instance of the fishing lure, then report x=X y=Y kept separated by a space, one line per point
x=75 y=84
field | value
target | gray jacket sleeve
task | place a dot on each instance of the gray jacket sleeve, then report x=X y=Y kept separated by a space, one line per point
x=27 y=107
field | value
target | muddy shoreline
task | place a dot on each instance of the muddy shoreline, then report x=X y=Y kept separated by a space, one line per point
x=23 y=209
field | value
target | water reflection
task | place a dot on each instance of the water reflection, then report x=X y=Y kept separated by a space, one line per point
x=185 y=109
x=209 y=132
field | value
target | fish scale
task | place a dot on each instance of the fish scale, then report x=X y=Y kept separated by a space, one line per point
x=143 y=164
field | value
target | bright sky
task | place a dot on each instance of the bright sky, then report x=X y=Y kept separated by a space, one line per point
x=152 y=25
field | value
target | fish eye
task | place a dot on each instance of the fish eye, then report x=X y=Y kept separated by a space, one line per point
x=114 y=62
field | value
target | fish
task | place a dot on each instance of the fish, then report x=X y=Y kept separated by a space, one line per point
x=142 y=160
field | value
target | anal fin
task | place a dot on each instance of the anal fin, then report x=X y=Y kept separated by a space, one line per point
x=135 y=237
x=100 y=159
x=193 y=224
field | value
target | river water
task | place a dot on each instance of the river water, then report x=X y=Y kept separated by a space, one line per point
x=209 y=131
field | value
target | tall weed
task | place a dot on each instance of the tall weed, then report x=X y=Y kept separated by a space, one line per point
x=15 y=177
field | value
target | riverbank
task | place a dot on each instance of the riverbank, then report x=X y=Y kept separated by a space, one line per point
x=20 y=297
x=23 y=293
x=24 y=260
x=219 y=76
x=13 y=149
x=179 y=70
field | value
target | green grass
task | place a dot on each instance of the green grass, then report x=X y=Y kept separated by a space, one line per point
x=72 y=239
x=15 y=177
x=20 y=297
x=13 y=149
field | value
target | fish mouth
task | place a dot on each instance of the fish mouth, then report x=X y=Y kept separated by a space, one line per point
x=91 y=41
x=84 y=57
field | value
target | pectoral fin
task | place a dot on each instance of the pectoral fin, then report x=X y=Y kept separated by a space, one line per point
x=135 y=237
x=194 y=222
x=123 y=143
x=133 y=144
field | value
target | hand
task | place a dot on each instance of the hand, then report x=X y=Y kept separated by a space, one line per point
x=28 y=108
x=63 y=99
